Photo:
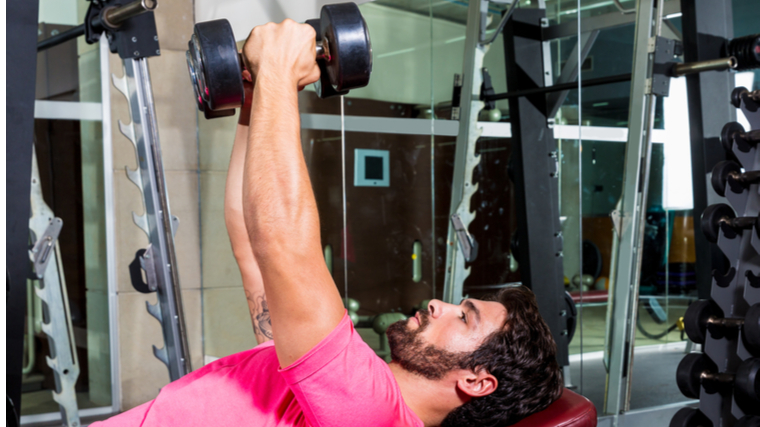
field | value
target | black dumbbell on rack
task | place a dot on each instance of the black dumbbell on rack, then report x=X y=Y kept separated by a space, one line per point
x=344 y=56
x=728 y=173
x=733 y=134
x=705 y=315
x=743 y=93
x=721 y=216
x=697 y=371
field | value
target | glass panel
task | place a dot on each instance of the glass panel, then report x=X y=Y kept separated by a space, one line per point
x=70 y=160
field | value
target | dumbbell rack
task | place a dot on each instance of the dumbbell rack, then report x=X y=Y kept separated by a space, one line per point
x=735 y=290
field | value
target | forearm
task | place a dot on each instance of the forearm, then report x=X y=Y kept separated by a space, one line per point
x=283 y=224
x=239 y=240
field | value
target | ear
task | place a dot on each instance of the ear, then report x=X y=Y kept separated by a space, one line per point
x=477 y=384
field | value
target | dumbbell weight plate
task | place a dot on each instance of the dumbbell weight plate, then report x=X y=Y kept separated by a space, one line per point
x=711 y=217
x=695 y=319
x=346 y=37
x=727 y=137
x=323 y=87
x=751 y=329
x=747 y=386
x=720 y=173
x=220 y=75
x=690 y=417
x=736 y=96
x=689 y=371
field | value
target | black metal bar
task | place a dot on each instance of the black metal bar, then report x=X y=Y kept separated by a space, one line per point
x=19 y=116
x=534 y=166
x=560 y=87
x=706 y=27
x=61 y=38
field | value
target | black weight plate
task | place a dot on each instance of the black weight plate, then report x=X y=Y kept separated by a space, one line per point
x=727 y=136
x=720 y=174
x=711 y=217
x=689 y=371
x=751 y=329
x=695 y=319
x=748 y=421
x=736 y=96
x=690 y=417
x=347 y=38
x=220 y=64
x=747 y=386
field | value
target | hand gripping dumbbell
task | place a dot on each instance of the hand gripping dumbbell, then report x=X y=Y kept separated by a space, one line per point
x=733 y=133
x=730 y=173
x=721 y=216
x=344 y=56
x=697 y=371
x=705 y=315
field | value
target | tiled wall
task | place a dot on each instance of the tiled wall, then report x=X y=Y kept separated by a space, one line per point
x=141 y=374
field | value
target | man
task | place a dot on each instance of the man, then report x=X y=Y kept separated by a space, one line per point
x=480 y=363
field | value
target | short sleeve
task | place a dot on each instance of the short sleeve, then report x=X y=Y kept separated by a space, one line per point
x=341 y=382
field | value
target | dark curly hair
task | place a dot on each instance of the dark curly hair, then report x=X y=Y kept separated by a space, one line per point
x=522 y=357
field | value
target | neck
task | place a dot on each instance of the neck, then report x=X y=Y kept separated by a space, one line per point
x=431 y=400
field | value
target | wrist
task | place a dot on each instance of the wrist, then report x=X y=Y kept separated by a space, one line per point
x=271 y=78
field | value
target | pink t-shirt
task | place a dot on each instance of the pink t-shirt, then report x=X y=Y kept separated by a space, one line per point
x=340 y=382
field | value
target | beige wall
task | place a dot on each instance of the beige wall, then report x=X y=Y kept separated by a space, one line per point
x=141 y=374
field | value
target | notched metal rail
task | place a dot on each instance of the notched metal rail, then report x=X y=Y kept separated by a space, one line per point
x=45 y=255
x=158 y=260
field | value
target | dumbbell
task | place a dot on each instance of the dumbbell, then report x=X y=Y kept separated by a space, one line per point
x=738 y=181
x=344 y=56
x=690 y=417
x=696 y=369
x=721 y=216
x=741 y=92
x=704 y=315
x=733 y=133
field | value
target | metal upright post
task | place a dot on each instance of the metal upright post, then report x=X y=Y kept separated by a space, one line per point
x=535 y=172
x=629 y=218
x=462 y=185
x=159 y=259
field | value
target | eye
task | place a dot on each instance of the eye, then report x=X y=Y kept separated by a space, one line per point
x=463 y=317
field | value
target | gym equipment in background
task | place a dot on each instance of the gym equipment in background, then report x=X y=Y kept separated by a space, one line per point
x=47 y=269
x=344 y=56
x=131 y=32
x=725 y=377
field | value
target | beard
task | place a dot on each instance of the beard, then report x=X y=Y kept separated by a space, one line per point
x=412 y=354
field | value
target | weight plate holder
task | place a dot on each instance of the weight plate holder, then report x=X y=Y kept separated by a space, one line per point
x=157 y=222
x=45 y=255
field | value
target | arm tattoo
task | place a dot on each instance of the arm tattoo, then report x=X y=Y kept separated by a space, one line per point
x=262 y=322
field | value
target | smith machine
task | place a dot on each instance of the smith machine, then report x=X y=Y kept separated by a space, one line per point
x=130 y=31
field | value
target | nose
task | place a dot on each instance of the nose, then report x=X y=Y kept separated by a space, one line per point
x=437 y=308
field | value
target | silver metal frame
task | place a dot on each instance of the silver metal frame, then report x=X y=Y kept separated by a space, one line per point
x=72 y=111
x=629 y=218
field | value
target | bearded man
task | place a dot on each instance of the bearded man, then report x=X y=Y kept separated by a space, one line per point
x=480 y=363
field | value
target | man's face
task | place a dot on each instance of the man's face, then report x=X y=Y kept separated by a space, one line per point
x=437 y=340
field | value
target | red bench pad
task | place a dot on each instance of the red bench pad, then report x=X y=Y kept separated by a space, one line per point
x=570 y=410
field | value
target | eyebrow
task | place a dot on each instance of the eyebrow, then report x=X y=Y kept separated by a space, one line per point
x=471 y=306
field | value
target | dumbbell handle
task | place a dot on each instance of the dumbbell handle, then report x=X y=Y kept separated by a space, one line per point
x=743 y=222
x=750 y=177
x=728 y=323
x=323 y=52
x=721 y=378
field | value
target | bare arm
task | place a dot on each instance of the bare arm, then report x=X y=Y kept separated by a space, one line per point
x=278 y=203
x=241 y=244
